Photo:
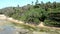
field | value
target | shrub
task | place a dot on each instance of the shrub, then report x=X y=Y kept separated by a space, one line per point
x=52 y=23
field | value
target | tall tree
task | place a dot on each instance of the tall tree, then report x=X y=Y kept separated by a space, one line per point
x=54 y=4
x=42 y=4
x=32 y=2
x=17 y=5
x=46 y=8
x=36 y=2
x=48 y=4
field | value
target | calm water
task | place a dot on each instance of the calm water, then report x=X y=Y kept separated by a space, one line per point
x=6 y=28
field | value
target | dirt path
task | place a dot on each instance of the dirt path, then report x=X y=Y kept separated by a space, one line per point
x=3 y=17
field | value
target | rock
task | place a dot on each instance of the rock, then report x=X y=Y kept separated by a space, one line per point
x=40 y=25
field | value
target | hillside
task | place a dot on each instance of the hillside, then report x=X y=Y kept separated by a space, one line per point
x=48 y=13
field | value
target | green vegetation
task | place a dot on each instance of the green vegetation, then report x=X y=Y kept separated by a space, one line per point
x=49 y=13
x=37 y=29
x=32 y=28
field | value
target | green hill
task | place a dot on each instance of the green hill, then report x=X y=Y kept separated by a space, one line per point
x=49 y=13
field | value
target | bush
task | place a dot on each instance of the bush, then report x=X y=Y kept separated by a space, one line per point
x=51 y=23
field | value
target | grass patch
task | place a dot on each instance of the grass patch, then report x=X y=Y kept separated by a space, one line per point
x=29 y=27
x=35 y=28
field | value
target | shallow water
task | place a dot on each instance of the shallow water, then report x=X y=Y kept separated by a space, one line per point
x=6 y=28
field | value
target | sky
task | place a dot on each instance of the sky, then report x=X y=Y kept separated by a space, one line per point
x=14 y=3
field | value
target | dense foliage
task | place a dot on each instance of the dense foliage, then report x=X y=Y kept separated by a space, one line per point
x=34 y=14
